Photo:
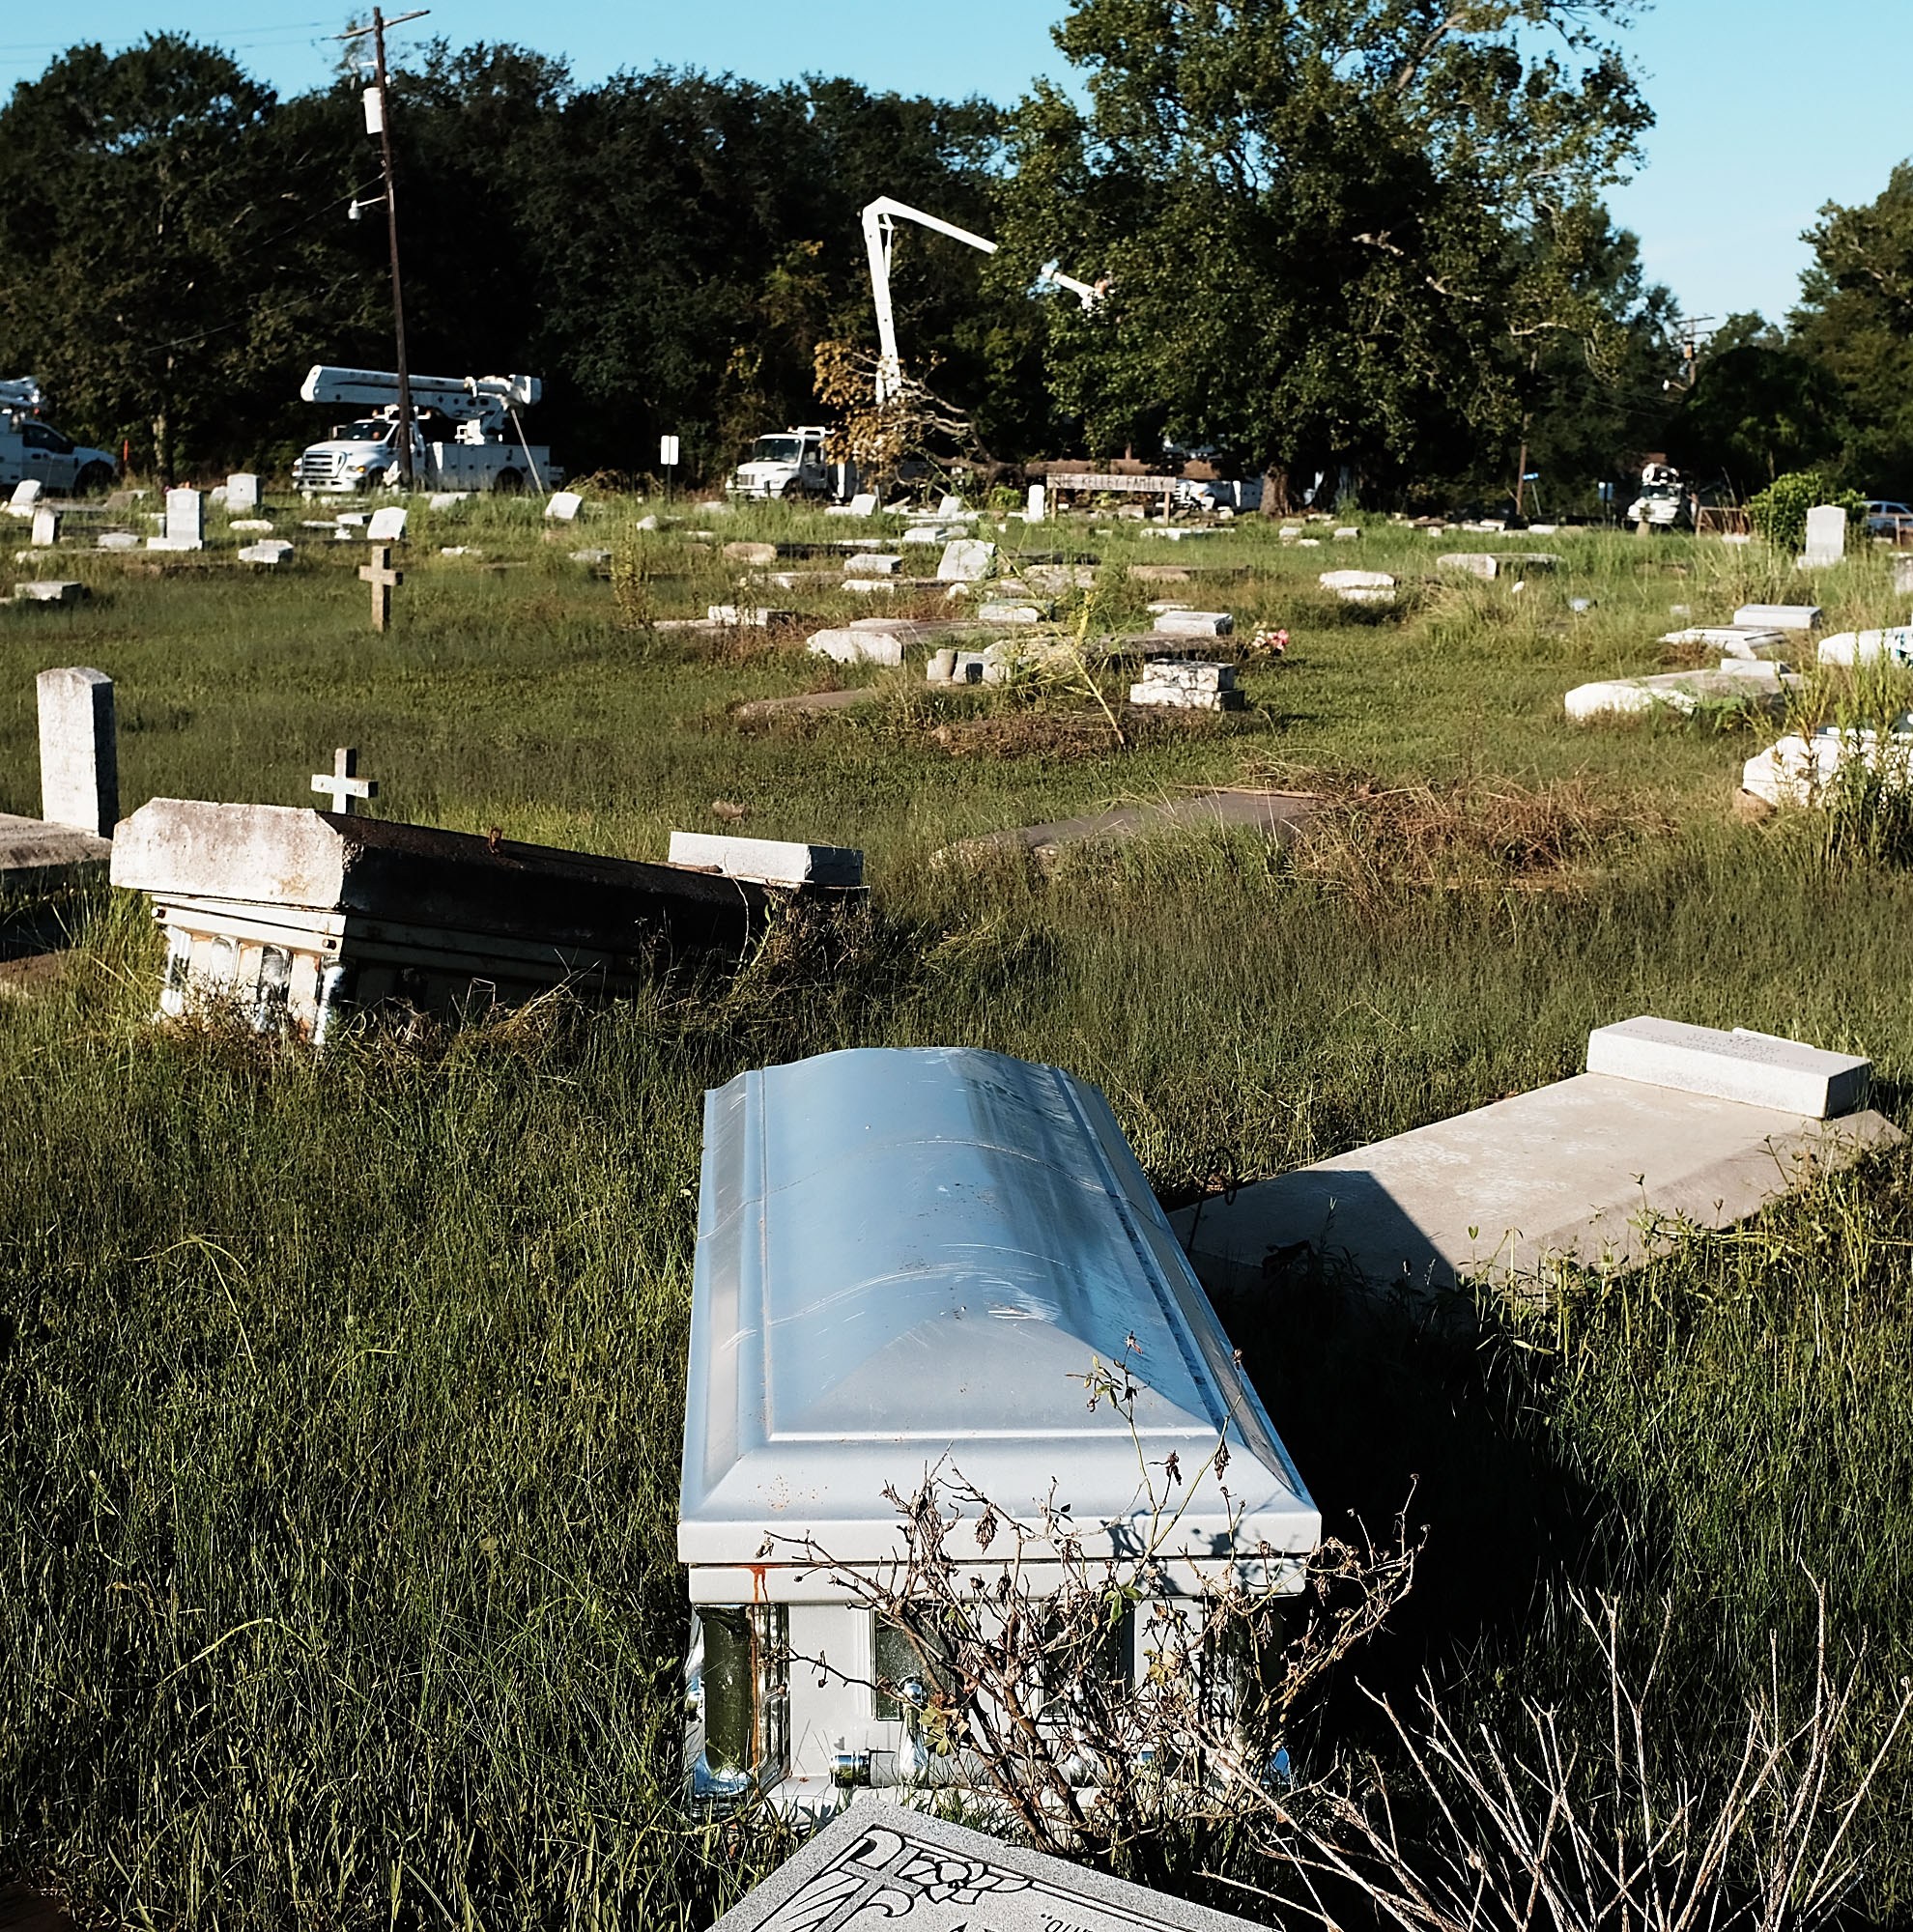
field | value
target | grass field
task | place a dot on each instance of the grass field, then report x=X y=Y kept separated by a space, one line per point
x=339 y=1401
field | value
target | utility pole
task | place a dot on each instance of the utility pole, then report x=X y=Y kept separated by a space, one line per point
x=383 y=131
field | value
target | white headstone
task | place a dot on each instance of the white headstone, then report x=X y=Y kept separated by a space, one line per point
x=1037 y=508
x=1755 y=1068
x=271 y=549
x=1826 y=535
x=1360 y=586
x=1848 y=648
x=1776 y=617
x=565 y=506
x=771 y=861
x=967 y=561
x=185 y=519
x=387 y=526
x=242 y=493
x=79 y=762
x=25 y=496
x=1195 y=623
x=46 y=527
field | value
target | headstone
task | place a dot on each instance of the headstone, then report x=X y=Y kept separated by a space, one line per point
x=1195 y=623
x=444 y=499
x=117 y=540
x=967 y=560
x=25 y=496
x=249 y=525
x=387 y=525
x=881 y=1866
x=873 y=563
x=1755 y=1068
x=1778 y=616
x=1007 y=614
x=1360 y=586
x=863 y=504
x=564 y=506
x=271 y=549
x=1036 y=505
x=1903 y=574
x=242 y=493
x=185 y=519
x=49 y=590
x=771 y=861
x=80 y=761
x=1348 y=534
x=1826 y=535
x=46 y=527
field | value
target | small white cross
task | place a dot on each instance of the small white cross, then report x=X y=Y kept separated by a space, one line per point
x=342 y=780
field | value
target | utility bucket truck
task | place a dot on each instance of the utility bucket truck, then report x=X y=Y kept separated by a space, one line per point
x=465 y=433
x=32 y=451
x=793 y=464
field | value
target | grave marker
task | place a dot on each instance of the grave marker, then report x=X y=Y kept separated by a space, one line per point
x=383 y=579
x=1826 y=535
x=185 y=519
x=564 y=506
x=79 y=761
x=343 y=781
x=25 y=496
x=387 y=525
x=46 y=527
x=242 y=493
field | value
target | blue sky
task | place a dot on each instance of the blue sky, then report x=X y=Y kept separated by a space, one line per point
x=1767 y=108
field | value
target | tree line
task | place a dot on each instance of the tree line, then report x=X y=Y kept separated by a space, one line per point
x=1349 y=243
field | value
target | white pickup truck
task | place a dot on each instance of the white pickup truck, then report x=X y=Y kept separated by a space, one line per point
x=33 y=451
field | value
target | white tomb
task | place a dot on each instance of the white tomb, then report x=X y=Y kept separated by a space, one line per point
x=1818 y=770
x=1826 y=536
x=1852 y=648
x=1777 y=618
x=911 y=1257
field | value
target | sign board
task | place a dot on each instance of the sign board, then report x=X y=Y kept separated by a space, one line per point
x=667 y=451
x=880 y=1868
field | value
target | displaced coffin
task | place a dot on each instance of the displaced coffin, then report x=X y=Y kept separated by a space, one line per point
x=908 y=1259
x=299 y=917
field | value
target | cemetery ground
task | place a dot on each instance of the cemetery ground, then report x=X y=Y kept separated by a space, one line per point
x=340 y=1397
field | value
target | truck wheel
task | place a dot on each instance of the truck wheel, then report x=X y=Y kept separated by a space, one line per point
x=93 y=478
x=508 y=483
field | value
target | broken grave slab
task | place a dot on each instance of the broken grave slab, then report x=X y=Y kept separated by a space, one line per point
x=1852 y=648
x=1279 y=816
x=1595 y=1171
x=803 y=703
x=1778 y=617
x=1750 y=683
x=36 y=854
x=49 y=590
x=912 y=1870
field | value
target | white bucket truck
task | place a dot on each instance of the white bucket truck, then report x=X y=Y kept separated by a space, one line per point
x=465 y=433
x=793 y=464
x=33 y=451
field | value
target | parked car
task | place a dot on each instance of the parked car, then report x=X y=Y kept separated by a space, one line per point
x=1887 y=519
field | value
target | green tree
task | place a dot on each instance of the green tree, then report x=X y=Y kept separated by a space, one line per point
x=1759 y=407
x=1335 y=229
x=166 y=260
x=1856 y=320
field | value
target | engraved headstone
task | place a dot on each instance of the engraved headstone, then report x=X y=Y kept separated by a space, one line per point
x=1826 y=535
x=79 y=769
x=877 y=1868
x=185 y=519
x=242 y=493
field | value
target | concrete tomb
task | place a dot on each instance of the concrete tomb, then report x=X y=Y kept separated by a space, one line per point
x=564 y=506
x=242 y=493
x=47 y=521
x=79 y=796
x=871 y=563
x=1670 y=1124
x=1188 y=685
x=1826 y=536
x=877 y=1868
x=1185 y=623
x=49 y=590
x=1816 y=770
x=1494 y=563
x=1742 y=682
x=299 y=918
x=909 y=1258
x=270 y=551
x=1852 y=648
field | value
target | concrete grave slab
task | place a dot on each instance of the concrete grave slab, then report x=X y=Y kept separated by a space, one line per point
x=1596 y=1171
x=967 y=560
x=1759 y=1069
x=879 y=1865
x=49 y=590
x=771 y=861
x=272 y=552
x=252 y=525
x=1009 y=614
x=1279 y=816
x=854 y=646
x=1360 y=586
x=1733 y=640
x=43 y=857
x=873 y=563
x=1804 y=771
x=387 y=525
x=117 y=540
x=1182 y=623
x=1851 y=648
x=564 y=506
x=1744 y=682
x=805 y=704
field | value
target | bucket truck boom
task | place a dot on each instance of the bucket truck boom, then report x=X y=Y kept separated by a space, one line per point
x=880 y=219
x=486 y=451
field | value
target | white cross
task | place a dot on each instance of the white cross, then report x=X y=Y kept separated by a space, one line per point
x=342 y=780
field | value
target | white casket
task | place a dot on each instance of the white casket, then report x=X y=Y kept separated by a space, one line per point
x=908 y=1258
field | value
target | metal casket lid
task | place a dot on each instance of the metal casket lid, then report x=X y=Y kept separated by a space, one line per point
x=907 y=1256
